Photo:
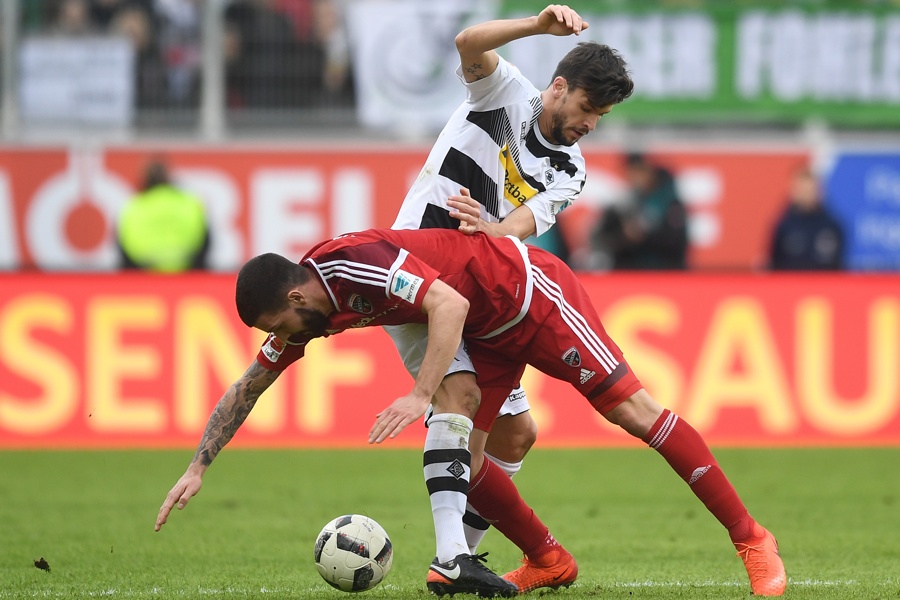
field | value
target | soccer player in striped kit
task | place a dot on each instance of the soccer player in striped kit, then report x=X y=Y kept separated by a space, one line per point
x=509 y=159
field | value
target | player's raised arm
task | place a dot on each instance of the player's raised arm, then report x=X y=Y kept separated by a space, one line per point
x=226 y=418
x=477 y=44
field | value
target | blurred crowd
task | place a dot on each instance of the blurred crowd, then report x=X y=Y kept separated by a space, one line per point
x=277 y=53
x=294 y=54
x=648 y=227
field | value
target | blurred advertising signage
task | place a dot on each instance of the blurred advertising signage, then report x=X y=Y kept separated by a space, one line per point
x=77 y=81
x=693 y=62
x=58 y=207
x=134 y=360
x=863 y=190
x=405 y=60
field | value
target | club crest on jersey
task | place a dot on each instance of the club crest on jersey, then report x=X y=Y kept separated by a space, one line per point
x=548 y=176
x=359 y=304
x=572 y=357
x=273 y=348
x=406 y=285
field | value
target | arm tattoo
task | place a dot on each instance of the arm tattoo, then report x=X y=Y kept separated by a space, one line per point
x=232 y=410
x=475 y=69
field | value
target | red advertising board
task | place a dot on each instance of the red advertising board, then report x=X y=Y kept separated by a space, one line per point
x=58 y=205
x=135 y=360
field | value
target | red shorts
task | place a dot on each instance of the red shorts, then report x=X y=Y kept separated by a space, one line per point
x=562 y=336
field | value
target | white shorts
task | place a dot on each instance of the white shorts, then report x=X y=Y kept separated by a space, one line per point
x=411 y=340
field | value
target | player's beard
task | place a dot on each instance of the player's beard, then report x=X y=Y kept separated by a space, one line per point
x=316 y=322
x=558 y=131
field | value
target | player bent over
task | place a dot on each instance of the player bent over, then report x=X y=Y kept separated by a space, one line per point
x=559 y=332
x=513 y=305
x=561 y=335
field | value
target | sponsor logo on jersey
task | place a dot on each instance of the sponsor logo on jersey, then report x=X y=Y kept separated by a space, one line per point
x=406 y=285
x=572 y=357
x=516 y=190
x=273 y=348
x=586 y=375
x=359 y=304
x=364 y=322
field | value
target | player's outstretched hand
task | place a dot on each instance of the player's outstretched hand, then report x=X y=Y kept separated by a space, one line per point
x=559 y=19
x=394 y=419
x=186 y=488
x=467 y=210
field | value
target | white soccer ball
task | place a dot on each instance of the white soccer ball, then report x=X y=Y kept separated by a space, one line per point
x=353 y=553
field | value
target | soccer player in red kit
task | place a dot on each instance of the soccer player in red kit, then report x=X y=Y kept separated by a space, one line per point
x=513 y=305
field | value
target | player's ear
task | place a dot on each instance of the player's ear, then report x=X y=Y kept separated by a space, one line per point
x=296 y=298
x=559 y=86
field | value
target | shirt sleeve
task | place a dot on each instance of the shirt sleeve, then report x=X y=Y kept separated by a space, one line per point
x=546 y=205
x=276 y=355
x=506 y=85
x=409 y=279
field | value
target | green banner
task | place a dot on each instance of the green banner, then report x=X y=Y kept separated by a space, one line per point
x=740 y=62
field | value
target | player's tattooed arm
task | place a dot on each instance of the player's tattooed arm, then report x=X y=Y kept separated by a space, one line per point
x=232 y=410
x=476 y=71
x=227 y=417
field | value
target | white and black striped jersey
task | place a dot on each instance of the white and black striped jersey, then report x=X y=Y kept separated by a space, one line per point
x=493 y=146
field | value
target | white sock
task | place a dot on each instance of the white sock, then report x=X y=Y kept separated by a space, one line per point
x=474 y=526
x=446 y=464
x=508 y=468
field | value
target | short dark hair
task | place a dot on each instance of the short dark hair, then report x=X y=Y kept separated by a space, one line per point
x=156 y=173
x=263 y=283
x=636 y=160
x=598 y=70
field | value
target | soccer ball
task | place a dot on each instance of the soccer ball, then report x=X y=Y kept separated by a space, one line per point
x=353 y=553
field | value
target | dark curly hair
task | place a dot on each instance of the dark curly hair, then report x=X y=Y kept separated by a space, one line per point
x=263 y=283
x=598 y=70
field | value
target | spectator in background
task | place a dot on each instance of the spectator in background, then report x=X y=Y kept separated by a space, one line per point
x=266 y=65
x=330 y=32
x=135 y=23
x=178 y=23
x=647 y=231
x=73 y=18
x=806 y=236
x=163 y=228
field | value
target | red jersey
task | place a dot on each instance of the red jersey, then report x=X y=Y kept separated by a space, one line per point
x=380 y=276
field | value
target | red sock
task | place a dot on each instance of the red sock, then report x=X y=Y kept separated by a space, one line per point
x=690 y=457
x=493 y=494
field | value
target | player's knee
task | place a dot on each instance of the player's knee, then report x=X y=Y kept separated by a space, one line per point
x=512 y=437
x=636 y=414
x=458 y=393
x=525 y=436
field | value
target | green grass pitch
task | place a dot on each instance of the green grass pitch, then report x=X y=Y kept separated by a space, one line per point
x=634 y=527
